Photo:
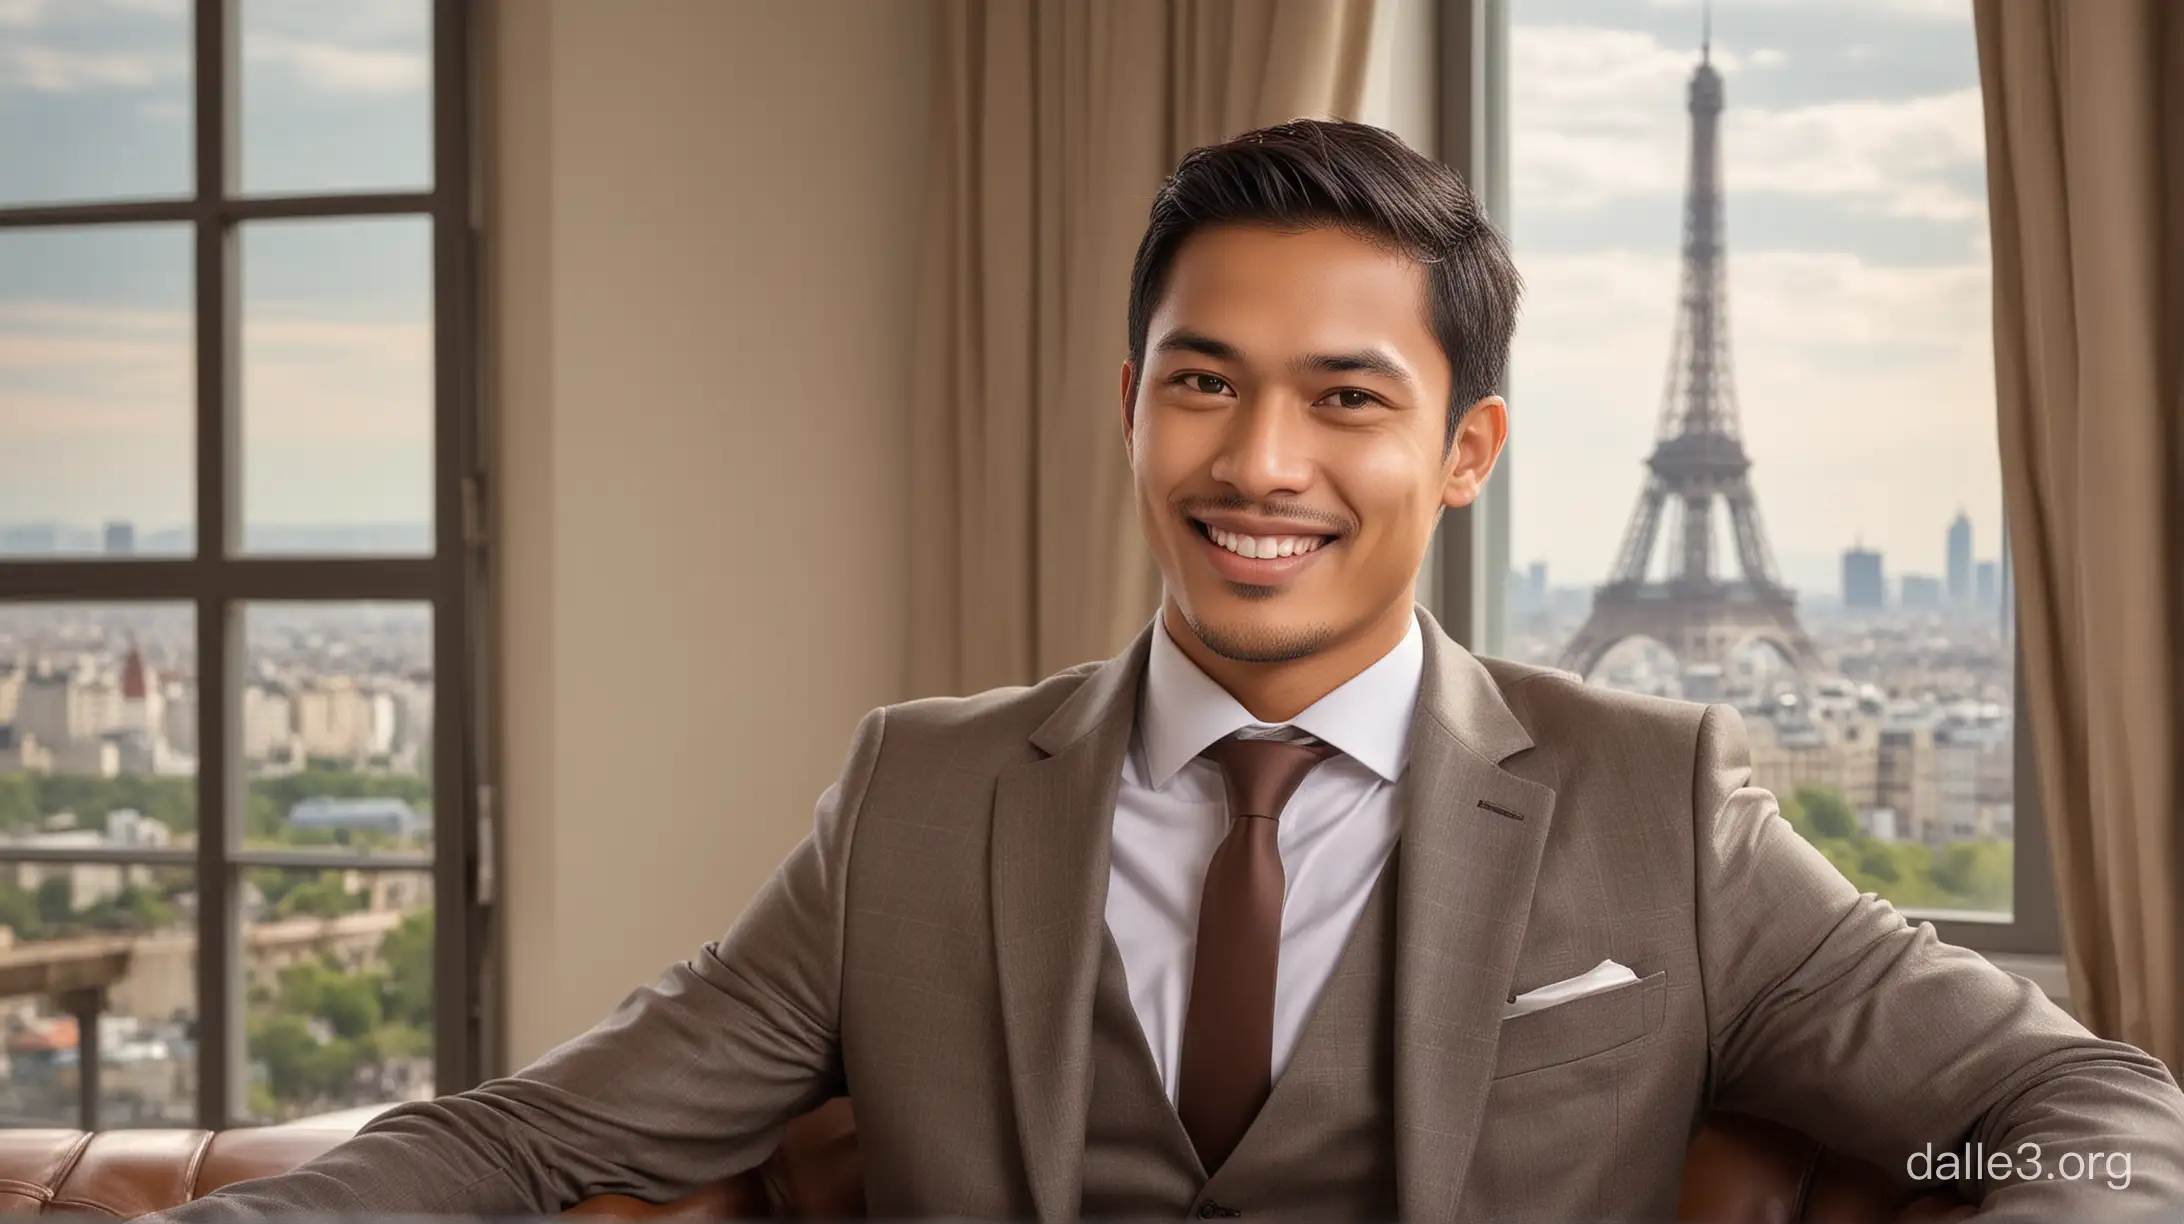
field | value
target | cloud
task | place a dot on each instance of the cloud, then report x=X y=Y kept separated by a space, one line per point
x=1598 y=115
x=1926 y=10
x=333 y=68
x=93 y=374
x=309 y=377
x=47 y=69
x=32 y=14
x=1890 y=155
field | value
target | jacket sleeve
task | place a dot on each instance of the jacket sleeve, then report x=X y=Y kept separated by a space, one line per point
x=1829 y=1012
x=690 y=1080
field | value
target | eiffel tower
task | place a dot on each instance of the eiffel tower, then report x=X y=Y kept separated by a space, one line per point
x=1698 y=463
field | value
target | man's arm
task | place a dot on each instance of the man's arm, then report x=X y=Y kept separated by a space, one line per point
x=1829 y=1012
x=691 y=1079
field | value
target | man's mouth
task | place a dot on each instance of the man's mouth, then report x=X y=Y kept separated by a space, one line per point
x=1260 y=547
x=1258 y=560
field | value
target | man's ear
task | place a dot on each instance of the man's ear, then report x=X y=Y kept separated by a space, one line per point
x=1129 y=416
x=1480 y=437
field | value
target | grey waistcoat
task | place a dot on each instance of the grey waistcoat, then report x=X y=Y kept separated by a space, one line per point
x=1323 y=1146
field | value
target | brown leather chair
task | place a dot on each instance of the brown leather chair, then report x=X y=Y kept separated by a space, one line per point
x=1740 y=1170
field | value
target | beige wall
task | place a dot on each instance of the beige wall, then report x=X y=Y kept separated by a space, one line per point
x=702 y=219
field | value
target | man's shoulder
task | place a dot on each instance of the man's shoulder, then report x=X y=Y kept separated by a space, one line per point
x=985 y=730
x=1562 y=712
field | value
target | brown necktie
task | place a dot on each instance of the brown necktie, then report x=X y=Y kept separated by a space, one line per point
x=1227 y=1062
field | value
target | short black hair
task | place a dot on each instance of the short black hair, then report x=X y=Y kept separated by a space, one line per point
x=1314 y=173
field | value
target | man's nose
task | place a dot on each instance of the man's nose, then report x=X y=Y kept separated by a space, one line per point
x=1265 y=450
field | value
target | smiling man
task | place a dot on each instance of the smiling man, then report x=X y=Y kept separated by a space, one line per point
x=1295 y=908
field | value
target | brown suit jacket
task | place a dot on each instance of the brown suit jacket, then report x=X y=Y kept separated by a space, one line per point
x=934 y=944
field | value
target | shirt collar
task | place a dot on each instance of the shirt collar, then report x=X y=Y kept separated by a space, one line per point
x=1184 y=710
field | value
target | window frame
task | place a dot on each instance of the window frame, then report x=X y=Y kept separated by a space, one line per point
x=218 y=581
x=1472 y=546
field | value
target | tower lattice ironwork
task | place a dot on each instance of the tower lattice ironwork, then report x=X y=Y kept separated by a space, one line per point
x=1698 y=466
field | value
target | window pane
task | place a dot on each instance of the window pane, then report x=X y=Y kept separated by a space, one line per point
x=98 y=743
x=123 y=939
x=337 y=386
x=95 y=100
x=97 y=384
x=337 y=727
x=337 y=95
x=1755 y=456
x=338 y=1000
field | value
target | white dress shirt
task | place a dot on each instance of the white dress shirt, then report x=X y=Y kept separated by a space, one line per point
x=1172 y=812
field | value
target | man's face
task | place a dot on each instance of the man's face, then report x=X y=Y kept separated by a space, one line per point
x=1289 y=438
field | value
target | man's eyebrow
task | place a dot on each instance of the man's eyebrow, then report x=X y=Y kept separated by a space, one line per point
x=1366 y=361
x=1184 y=340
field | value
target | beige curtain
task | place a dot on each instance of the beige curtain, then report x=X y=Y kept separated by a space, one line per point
x=2085 y=147
x=1054 y=122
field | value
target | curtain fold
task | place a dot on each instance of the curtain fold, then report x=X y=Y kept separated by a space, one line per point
x=1054 y=122
x=2085 y=134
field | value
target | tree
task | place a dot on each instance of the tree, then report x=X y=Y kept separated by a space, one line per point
x=1877 y=861
x=407 y=954
x=1829 y=813
x=18 y=802
x=325 y=897
x=57 y=899
x=285 y=1045
x=19 y=911
x=1794 y=812
x=134 y=908
x=350 y=1003
x=1979 y=873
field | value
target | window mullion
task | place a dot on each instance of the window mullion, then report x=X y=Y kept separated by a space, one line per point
x=218 y=985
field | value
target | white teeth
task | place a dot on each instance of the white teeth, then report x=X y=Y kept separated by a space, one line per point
x=1257 y=547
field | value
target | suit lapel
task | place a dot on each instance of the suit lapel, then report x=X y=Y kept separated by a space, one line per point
x=1472 y=836
x=1053 y=822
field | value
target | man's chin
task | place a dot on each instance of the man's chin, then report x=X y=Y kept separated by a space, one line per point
x=1247 y=638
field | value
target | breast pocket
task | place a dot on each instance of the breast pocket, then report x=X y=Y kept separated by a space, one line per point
x=1582 y=1028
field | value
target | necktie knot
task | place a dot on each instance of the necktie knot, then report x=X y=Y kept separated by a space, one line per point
x=1261 y=774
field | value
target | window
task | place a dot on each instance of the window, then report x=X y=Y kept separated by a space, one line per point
x=240 y=561
x=1753 y=453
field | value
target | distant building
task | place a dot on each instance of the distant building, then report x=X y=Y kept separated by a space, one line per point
x=2009 y=589
x=1921 y=592
x=1906 y=781
x=1960 y=559
x=269 y=723
x=389 y=816
x=1987 y=583
x=120 y=539
x=1880 y=824
x=20 y=752
x=1864 y=586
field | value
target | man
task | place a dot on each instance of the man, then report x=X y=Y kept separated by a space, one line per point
x=1295 y=908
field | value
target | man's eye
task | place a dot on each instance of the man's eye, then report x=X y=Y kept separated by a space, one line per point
x=1204 y=384
x=1350 y=397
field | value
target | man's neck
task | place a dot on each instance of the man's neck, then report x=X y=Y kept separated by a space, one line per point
x=1278 y=692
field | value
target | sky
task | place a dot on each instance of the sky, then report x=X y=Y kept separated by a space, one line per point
x=1858 y=300
x=97 y=323
x=1856 y=225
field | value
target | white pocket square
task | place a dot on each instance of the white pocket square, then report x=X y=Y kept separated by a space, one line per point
x=1607 y=975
